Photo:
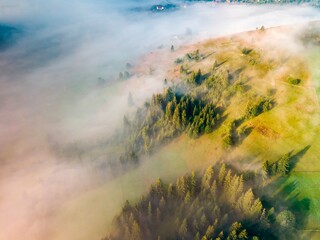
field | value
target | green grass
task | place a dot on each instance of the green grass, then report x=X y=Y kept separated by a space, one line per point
x=292 y=126
x=314 y=61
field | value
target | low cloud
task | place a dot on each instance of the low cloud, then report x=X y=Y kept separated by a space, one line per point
x=51 y=89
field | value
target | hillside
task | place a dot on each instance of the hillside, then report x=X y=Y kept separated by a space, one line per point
x=268 y=110
x=8 y=35
x=217 y=205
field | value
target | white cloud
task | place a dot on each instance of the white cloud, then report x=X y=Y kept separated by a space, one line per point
x=49 y=86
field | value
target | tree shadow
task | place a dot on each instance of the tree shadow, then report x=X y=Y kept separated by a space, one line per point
x=208 y=55
x=246 y=51
x=291 y=198
x=286 y=194
x=294 y=159
x=287 y=198
x=235 y=74
x=219 y=122
x=204 y=77
x=217 y=65
x=243 y=135
x=240 y=136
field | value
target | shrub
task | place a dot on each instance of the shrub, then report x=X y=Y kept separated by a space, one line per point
x=294 y=81
x=246 y=51
x=286 y=219
x=178 y=61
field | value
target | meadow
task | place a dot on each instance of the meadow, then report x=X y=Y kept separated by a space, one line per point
x=290 y=127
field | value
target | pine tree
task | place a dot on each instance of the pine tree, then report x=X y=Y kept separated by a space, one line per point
x=274 y=169
x=250 y=206
x=187 y=198
x=207 y=178
x=203 y=221
x=182 y=70
x=233 y=189
x=126 y=75
x=266 y=167
x=283 y=165
x=183 y=230
x=221 y=235
x=193 y=183
x=197 y=236
x=233 y=231
x=222 y=173
x=227 y=181
x=169 y=111
x=184 y=119
x=213 y=190
x=210 y=231
x=121 y=76
x=171 y=190
x=130 y=100
x=135 y=231
x=176 y=119
x=162 y=203
x=150 y=211
x=195 y=225
x=158 y=215
x=193 y=78
x=195 y=111
x=181 y=186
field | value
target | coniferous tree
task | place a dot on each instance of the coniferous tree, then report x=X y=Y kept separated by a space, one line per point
x=183 y=230
x=197 y=77
x=130 y=100
x=135 y=232
x=210 y=231
x=217 y=211
x=222 y=173
x=193 y=183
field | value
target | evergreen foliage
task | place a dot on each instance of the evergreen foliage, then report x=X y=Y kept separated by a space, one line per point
x=255 y=108
x=217 y=205
x=280 y=167
x=294 y=81
x=194 y=106
x=167 y=116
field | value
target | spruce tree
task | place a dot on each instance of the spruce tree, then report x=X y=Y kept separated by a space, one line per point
x=135 y=231
x=183 y=230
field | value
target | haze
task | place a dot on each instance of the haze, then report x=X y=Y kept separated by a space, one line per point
x=59 y=87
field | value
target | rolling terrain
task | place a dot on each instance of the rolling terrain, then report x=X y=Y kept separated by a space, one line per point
x=278 y=64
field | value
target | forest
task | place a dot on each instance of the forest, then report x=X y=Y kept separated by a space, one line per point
x=218 y=204
x=194 y=106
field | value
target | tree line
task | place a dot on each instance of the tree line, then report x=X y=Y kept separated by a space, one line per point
x=166 y=116
x=219 y=204
x=193 y=106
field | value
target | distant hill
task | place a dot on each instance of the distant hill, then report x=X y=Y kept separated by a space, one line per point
x=8 y=35
x=313 y=2
x=169 y=7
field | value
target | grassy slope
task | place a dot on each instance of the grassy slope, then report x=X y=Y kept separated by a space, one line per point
x=291 y=126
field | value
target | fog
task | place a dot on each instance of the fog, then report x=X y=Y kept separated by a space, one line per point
x=59 y=88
